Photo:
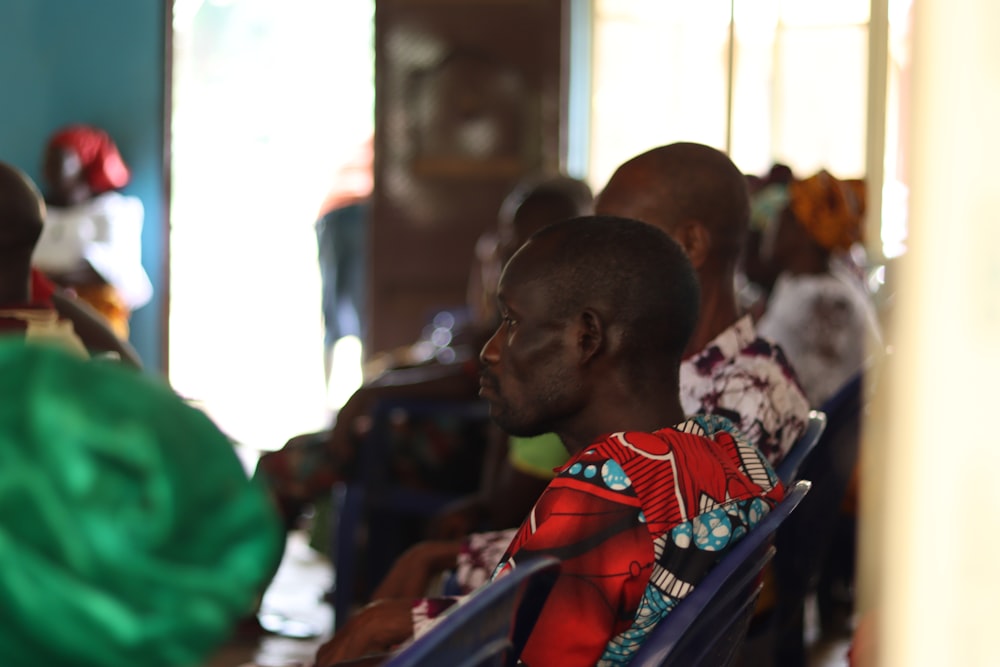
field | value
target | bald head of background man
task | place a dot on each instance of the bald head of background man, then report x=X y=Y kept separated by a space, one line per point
x=697 y=195
x=22 y=216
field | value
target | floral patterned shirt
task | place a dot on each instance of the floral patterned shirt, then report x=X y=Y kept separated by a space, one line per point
x=747 y=380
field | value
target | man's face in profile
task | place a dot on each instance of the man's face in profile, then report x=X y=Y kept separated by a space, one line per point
x=529 y=374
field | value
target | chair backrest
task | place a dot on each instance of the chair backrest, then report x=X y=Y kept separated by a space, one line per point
x=709 y=625
x=804 y=540
x=788 y=469
x=491 y=627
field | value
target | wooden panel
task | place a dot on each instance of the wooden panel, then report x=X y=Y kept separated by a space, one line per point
x=468 y=100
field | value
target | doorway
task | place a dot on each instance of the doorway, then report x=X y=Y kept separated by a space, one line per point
x=269 y=99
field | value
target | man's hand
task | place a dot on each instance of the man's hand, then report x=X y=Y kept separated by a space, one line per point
x=458 y=519
x=412 y=572
x=377 y=628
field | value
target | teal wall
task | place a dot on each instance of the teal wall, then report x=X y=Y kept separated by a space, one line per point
x=98 y=62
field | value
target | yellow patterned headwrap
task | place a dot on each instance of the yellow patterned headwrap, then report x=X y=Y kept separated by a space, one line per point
x=828 y=209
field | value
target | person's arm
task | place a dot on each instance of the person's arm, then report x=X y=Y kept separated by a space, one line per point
x=369 y=661
x=92 y=330
x=412 y=572
x=606 y=556
x=376 y=629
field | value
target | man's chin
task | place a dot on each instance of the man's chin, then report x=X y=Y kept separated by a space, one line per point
x=519 y=429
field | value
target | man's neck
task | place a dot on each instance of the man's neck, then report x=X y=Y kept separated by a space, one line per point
x=717 y=313
x=624 y=412
x=15 y=282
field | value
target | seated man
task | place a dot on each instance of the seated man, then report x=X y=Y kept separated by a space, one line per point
x=597 y=313
x=698 y=196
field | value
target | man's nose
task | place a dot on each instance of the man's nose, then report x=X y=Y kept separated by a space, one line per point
x=490 y=353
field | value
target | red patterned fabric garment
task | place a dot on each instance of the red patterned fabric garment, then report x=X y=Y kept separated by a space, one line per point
x=637 y=519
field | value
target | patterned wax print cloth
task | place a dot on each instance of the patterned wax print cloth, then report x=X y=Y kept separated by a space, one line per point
x=637 y=520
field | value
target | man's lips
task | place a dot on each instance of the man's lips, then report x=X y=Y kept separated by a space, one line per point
x=487 y=385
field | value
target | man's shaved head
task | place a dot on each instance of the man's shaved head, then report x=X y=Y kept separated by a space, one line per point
x=681 y=183
x=22 y=212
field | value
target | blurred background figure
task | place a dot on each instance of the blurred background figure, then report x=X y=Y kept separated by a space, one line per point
x=756 y=275
x=820 y=310
x=92 y=240
x=25 y=312
x=340 y=235
x=131 y=533
x=534 y=202
x=31 y=306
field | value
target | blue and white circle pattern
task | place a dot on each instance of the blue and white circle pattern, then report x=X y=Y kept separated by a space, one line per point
x=682 y=534
x=712 y=530
x=614 y=476
x=611 y=473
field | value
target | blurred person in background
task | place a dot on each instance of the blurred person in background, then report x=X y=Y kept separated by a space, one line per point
x=92 y=240
x=341 y=230
x=819 y=310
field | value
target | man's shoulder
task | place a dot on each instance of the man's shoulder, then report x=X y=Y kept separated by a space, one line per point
x=763 y=354
x=626 y=446
x=738 y=347
x=701 y=442
x=758 y=359
x=679 y=472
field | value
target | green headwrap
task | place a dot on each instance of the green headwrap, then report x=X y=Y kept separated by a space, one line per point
x=130 y=534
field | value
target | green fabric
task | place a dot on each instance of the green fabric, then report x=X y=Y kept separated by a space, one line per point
x=130 y=533
x=537 y=456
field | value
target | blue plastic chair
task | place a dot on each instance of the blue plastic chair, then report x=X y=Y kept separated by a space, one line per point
x=788 y=469
x=709 y=626
x=374 y=512
x=804 y=541
x=491 y=627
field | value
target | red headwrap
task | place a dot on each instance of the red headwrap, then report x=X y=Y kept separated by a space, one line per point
x=102 y=164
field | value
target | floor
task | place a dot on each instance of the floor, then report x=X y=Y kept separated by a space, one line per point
x=825 y=652
x=294 y=603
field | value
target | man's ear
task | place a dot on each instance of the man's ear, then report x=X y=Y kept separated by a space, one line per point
x=696 y=240
x=592 y=337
